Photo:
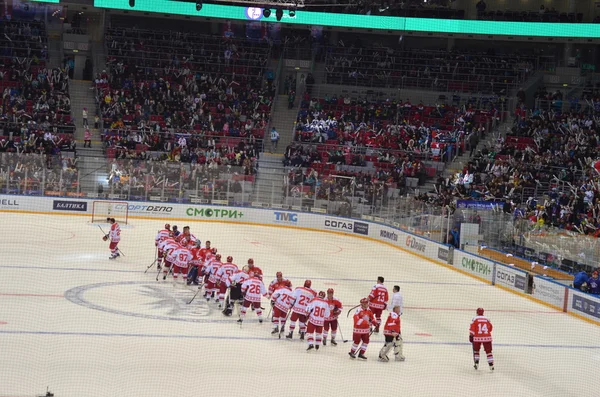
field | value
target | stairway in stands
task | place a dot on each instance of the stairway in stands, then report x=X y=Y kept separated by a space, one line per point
x=92 y=162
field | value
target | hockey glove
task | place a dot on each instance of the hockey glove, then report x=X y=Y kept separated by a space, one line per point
x=105 y=237
x=471 y=338
x=272 y=303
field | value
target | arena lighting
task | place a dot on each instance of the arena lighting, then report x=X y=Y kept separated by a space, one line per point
x=279 y=14
x=198 y=5
x=131 y=3
x=266 y=13
x=292 y=13
x=455 y=26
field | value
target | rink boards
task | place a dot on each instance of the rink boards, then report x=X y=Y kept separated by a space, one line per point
x=538 y=288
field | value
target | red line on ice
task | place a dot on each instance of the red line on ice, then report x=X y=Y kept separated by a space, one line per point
x=487 y=310
x=3 y=323
x=34 y=295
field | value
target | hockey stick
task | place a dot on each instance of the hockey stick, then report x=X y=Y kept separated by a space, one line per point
x=350 y=310
x=196 y=294
x=106 y=235
x=170 y=271
x=148 y=268
x=340 y=329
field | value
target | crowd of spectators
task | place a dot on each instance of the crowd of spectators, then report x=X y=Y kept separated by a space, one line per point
x=35 y=174
x=35 y=106
x=185 y=83
x=405 y=8
x=455 y=71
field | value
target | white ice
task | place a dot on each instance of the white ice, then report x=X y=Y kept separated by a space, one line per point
x=129 y=335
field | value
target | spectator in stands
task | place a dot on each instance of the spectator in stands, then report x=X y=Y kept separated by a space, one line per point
x=84 y=117
x=594 y=284
x=274 y=139
x=87 y=138
x=580 y=280
x=455 y=237
x=480 y=6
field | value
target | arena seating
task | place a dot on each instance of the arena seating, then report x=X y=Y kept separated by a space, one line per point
x=184 y=83
x=464 y=71
x=406 y=8
x=35 y=106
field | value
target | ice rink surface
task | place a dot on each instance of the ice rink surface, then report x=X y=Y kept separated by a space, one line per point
x=86 y=326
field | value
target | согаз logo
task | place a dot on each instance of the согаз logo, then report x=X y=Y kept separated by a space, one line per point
x=332 y=224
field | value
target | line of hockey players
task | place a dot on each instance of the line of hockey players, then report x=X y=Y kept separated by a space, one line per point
x=317 y=313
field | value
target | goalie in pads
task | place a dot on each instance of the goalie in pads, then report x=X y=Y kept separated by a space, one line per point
x=393 y=337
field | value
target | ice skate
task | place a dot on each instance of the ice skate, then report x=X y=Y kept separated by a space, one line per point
x=491 y=367
x=260 y=320
x=310 y=347
x=324 y=342
x=352 y=355
x=317 y=347
x=333 y=342
x=301 y=335
x=362 y=356
x=275 y=331
x=384 y=359
x=476 y=365
x=290 y=335
x=400 y=358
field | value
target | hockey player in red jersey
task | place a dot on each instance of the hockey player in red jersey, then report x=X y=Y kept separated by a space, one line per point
x=302 y=297
x=185 y=238
x=331 y=321
x=210 y=269
x=278 y=283
x=281 y=301
x=258 y=273
x=225 y=271
x=318 y=311
x=393 y=337
x=253 y=290
x=161 y=235
x=363 y=319
x=182 y=257
x=378 y=299
x=480 y=332
x=114 y=234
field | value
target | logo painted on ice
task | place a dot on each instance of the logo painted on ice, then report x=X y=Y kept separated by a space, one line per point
x=146 y=300
x=413 y=243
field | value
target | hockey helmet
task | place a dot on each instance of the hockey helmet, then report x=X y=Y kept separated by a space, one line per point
x=251 y=273
x=167 y=226
x=321 y=294
x=245 y=269
x=251 y=261
x=278 y=274
x=198 y=243
x=214 y=250
x=330 y=291
x=230 y=259
x=174 y=227
x=307 y=284
x=364 y=301
x=480 y=311
x=218 y=257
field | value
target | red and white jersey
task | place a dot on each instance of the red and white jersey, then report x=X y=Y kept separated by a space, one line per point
x=163 y=234
x=283 y=298
x=204 y=252
x=392 y=324
x=184 y=239
x=363 y=318
x=481 y=329
x=165 y=241
x=182 y=256
x=319 y=311
x=169 y=248
x=302 y=297
x=275 y=285
x=378 y=297
x=115 y=233
x=196 y=257
x=257 y=272
x=211 y=269
x=335 y=308
x=237 y=278
x=253 y=289
x=225 y=271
